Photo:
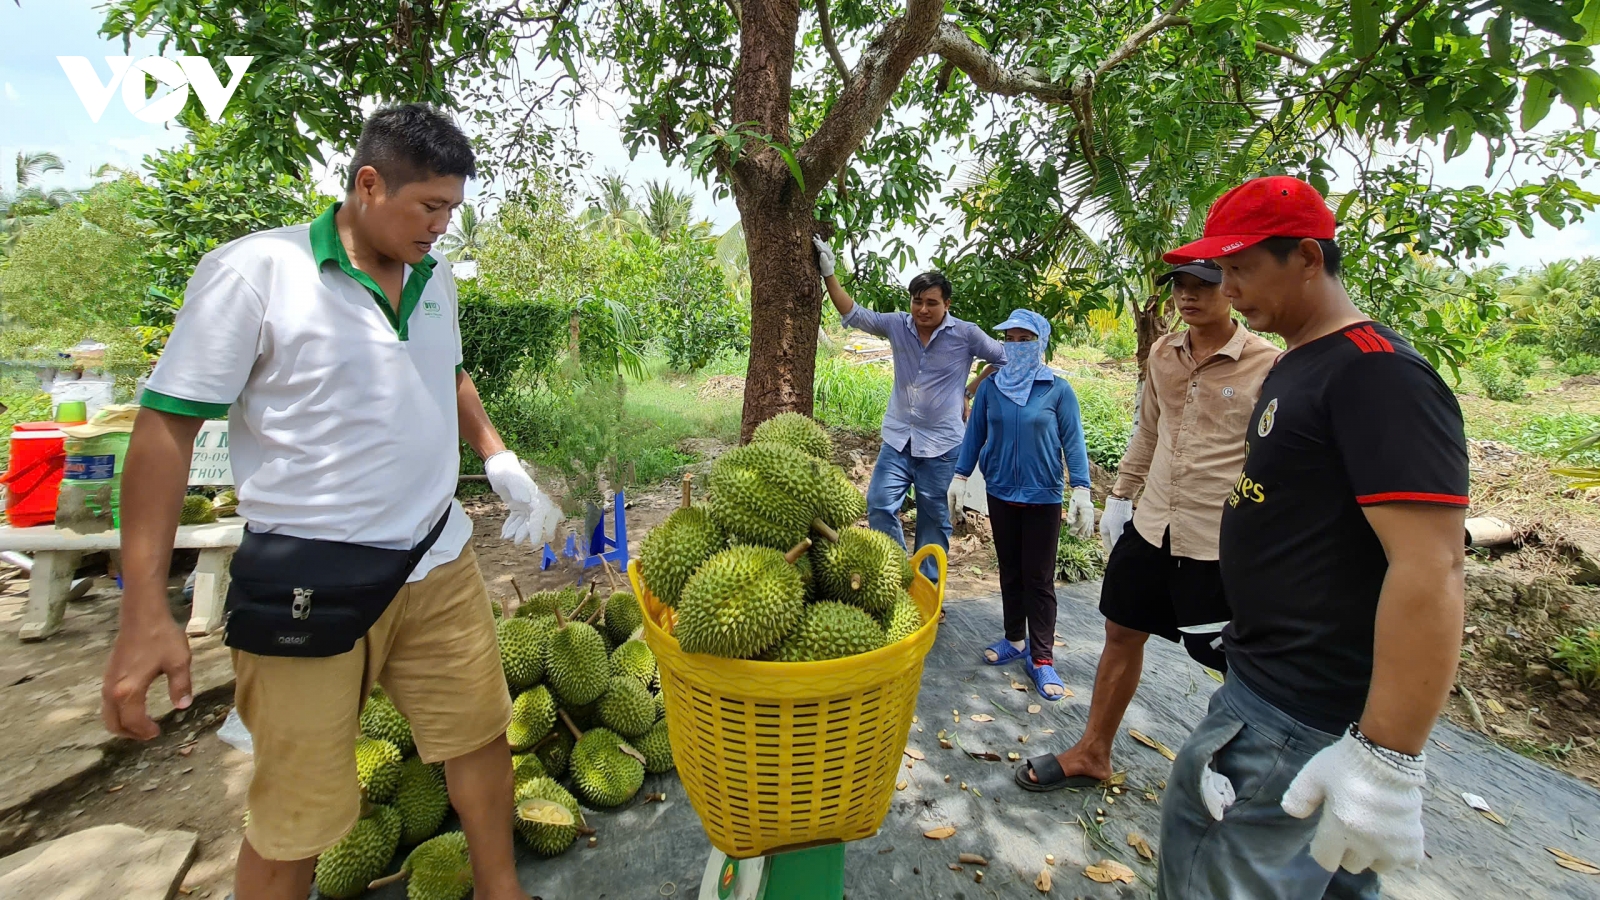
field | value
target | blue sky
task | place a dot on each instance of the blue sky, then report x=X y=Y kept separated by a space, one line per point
x=40 y=111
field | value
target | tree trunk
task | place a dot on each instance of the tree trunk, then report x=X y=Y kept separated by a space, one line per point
x=785 y=305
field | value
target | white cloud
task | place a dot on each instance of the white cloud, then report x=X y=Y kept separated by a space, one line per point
x=11 y=93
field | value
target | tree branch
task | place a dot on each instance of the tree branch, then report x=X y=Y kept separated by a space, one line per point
x=953 y=45
x=1264 y=47
x=829 y=42
x=1167 y=19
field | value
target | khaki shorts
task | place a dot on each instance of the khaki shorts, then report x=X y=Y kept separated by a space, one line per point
x=434 y=651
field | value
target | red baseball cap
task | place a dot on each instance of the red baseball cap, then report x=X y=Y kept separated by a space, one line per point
x=1276 y=206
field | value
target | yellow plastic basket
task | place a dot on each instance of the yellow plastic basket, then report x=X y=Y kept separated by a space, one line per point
x=778 y=756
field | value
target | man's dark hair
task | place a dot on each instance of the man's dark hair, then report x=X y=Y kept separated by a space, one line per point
x=930 y=280
x=1281 y=247
x=410 y=143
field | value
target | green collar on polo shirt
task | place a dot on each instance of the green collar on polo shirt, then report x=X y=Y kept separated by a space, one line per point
x=326 y=247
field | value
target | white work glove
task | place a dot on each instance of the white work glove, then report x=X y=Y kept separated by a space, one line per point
x=1371 y=807
x=956 y=497
x=531 y=515
x=825 y=256
x=1080 y=514
x=1216 y=792
x=1117 y=515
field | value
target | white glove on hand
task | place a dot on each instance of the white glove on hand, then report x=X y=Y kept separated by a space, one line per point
x=1080 y=514
x=531 y=515
x=956 y=498
x=825 y=258
x=1216 y=792
x=1371 y=807
x=1117 y=515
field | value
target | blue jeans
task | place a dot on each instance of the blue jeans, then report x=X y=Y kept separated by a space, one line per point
x=1257 y=850
x=897 y=470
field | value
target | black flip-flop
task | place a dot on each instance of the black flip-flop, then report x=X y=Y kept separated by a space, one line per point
x=1051 y=778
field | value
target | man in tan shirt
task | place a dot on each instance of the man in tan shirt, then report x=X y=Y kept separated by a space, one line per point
x=1187 y=451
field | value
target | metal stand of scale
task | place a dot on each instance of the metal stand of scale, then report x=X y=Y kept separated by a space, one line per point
x=816 y=873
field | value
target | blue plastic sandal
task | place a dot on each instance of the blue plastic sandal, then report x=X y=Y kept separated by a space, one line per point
x=1003 y=652
x=1046 y=675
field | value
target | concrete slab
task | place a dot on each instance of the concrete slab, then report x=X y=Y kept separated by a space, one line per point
x=109 y=861
x=644 y=847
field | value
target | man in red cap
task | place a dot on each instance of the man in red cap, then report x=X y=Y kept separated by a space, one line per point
x=1341 y=557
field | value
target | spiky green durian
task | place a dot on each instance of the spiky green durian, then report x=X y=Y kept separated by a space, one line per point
x=765 y=494
x=604 y=773
x=197 y=510
x=862 y=569
x=657 y=749
x=545 y=603
x=421 y=800
x=577 y=664
x=525 y=766
x=542 y=825
x=675 y=548
x=522 y=651
x=439 y=869
x=841 y=503
x=382 y=721
x=345 y=869
x=627 y=707
x=624 y=617
x=556 y=754
x=742 y=601
x=634 y=660
x=533 y=714
x=830 y=630
x=377 y=769
x=798 y=432
x=902 y=620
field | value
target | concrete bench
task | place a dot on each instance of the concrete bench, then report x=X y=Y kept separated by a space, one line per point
x=56 y=553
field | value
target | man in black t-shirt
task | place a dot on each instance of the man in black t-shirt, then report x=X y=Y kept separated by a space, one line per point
x=1341 y=557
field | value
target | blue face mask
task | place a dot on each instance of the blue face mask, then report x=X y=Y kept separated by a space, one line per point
x=1024 y=365
x=1023 y=355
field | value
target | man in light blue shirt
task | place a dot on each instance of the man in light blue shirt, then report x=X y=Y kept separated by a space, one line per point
x=922 y=430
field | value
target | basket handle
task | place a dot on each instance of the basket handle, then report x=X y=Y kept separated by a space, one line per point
x=928 y=550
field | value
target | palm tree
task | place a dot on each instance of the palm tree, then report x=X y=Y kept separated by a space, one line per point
x=30 y=201
x=611 y=212
x=666 y=210
x=734 y=260
x=464 y=240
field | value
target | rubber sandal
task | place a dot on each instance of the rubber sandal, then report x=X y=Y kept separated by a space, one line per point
x=1051 y=778
x=1003 y=652
x=1044 y=675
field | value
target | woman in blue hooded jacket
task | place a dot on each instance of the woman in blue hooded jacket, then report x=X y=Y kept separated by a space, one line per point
x=1024 y=423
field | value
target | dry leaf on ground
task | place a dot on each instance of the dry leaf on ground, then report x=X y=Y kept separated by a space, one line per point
x=1482 y=806
x=900 y=786
x=940 y=833
x=1034 y=709
x=982 y=717
x=1137 y=842
x=1043 y=881
x=1567 y=861
x=1107 y=871
x=1018 y=686
x=972 y=859
x=1152 y=743
x=914 y=753
x=1117 y=779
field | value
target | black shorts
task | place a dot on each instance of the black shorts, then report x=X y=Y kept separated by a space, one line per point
x=1148 y=589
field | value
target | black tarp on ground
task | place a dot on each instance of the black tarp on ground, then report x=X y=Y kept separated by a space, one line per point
x=645 y=846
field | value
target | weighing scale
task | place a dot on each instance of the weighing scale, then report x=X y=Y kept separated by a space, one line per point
x=816 y=873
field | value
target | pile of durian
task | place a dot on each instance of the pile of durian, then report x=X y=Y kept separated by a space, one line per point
x=775 y=567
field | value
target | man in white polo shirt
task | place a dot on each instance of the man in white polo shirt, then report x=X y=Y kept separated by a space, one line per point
x=335 y=351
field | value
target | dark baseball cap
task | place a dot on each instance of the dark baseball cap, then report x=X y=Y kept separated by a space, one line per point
x=1203 y=269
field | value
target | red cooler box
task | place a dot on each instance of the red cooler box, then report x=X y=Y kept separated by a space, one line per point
x=38 y=458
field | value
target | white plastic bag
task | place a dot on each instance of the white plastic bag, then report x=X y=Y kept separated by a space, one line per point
x=234 y=734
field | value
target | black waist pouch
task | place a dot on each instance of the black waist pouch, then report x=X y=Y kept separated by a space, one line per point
x=293 y=596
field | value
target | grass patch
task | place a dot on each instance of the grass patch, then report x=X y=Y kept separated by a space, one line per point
x=1106 y=407
x=1079 y=559
x=852 y=396
x=1547 y=435
x=20 y=407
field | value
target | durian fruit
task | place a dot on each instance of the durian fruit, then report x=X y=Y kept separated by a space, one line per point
x=438 y=869
x=742 y=601
x=555 y=754
x=661 y=706
x=623 y=617
x=797 y=431
x=421 y=800
x=862 y=568
x=533 y=714
x=806 y=568
x=634 y=660
x=841 y=503
x=381 y=721
x=377 y=769
x=226 y=503
x=907 y=574
x=830 y=630
x=525 y=766
x=546 y=816
x=545 y=603
x=197 y=510
x=903 y=619
x=766 y=494
x=627 y=707
x=675 y=548
x=496 y=610
x=577 y=663
x=605 y=769
x=522 y=651
x=345 y=869
x=656 y=748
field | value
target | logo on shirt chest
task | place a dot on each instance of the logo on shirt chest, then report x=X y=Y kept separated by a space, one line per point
x=433 y=309
x=1268 y=417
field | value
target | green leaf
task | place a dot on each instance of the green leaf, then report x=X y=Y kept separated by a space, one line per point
x=1499 y=33
x=794 y=164
x=1363 y=27
x=1538 y=95
x=1579 y=86
x=1344 y=207
x=1590 y=20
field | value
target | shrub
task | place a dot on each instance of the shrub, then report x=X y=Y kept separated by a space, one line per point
x=1522 y=360
x=1580 y=364
x=1579 y=655
x=852 y=396
x=1547 y=436
x=1497 y=380
x=1079 y=559
x=1107 y=423
x=1122 y=343
x=504 y=336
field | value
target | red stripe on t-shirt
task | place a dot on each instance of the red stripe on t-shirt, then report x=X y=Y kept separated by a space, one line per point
x=1361 y=340
x=1379 y=339
x=1412 y=497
